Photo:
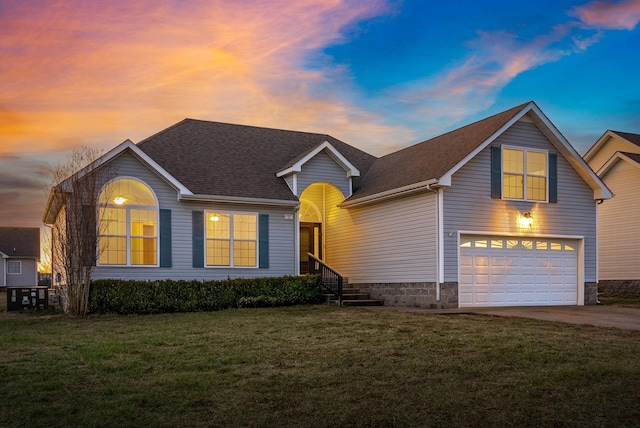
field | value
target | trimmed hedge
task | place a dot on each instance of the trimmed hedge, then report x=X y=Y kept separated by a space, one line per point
x=149 y=297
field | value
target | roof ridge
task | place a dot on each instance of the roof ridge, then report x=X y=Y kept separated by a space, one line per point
x=246 y=126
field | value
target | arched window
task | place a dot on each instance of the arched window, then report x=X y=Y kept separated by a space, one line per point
x=309 y=213
x=128 y=227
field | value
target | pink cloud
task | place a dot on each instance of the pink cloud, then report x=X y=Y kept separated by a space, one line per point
x=623 y=15
x=81 y=72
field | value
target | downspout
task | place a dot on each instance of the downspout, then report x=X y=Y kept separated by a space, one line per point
x=296 y=227
x=439 y=238
x=296 y=244
x=598 y=202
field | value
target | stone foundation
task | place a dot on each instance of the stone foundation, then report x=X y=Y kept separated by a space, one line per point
x=413 y=294
x=624 y=287
x=590 y=293
x=423 y=294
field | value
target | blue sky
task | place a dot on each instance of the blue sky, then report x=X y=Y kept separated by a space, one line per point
x=376 y=74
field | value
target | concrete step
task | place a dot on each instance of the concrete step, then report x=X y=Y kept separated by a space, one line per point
x=347 y=296
x=362 y=302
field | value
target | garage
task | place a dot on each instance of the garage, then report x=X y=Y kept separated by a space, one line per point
x=517 y=271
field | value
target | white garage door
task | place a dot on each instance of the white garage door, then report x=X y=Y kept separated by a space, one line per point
x=511 y=271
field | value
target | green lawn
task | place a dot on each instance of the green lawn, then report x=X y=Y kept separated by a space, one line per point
x=624 y=301
x=314 y=366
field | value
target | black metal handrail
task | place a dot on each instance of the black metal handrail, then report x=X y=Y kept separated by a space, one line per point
x=331 y=280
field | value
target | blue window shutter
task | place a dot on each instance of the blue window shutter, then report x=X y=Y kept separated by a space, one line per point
x=197 y=226
x=496 y=172
x=553 y=177
x=165 y=238
x=263 y=241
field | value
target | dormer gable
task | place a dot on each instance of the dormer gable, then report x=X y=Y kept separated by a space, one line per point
x=322 y=163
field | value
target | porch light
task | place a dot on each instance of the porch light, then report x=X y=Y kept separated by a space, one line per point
x=525 y=220
x=119 y=200
x=214 y=217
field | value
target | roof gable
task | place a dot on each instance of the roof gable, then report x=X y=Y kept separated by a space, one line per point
x=631 y=158
x=296 y=164
x=632 y=139
x=53 y=204
x=433 y=162
x=20 y=242
x=609 y=144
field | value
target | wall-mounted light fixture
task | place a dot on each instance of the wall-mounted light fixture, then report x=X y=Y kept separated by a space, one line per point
x=525 y=220
x=214 y=217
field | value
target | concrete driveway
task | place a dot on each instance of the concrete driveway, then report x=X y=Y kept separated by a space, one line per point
x=598 y=316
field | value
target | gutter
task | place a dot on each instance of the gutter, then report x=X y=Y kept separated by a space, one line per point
x=238 y=200
x=393 y=193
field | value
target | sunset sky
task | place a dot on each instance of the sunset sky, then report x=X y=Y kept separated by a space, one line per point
x=379 y=75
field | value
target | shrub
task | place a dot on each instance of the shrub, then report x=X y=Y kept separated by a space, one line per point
x=148 y=297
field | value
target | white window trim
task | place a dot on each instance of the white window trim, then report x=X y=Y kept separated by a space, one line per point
x=19 y=262
x=231 y=239
x=525 y=175
x=128 y=236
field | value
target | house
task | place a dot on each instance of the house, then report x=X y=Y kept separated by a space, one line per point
x=444 y=223
x=616 y=159
x=19 y=255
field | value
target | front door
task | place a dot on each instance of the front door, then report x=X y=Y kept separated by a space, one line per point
x=310 y=242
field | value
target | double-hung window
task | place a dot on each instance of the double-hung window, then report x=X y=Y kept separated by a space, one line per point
x=128 y=224
x=524 y=174
x=231 y=239
x=14 y=267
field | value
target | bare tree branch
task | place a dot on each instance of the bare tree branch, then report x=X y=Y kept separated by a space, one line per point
x=77 y=185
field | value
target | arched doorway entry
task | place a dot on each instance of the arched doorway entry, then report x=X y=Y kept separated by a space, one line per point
x=317 y=202
x=310 y=233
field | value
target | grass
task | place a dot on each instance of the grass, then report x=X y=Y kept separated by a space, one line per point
x=314 y=366
x=624 y=301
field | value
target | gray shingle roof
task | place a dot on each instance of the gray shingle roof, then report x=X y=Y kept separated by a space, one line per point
x=20 y=241
x=213 y=158
x=634 y=138
x=430 y=159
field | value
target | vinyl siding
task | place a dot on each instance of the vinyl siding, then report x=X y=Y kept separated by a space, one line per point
x=58 y=234
x=2 y=271
x=281 y=234
x=607 y=150
x=322 y=168
x=391 y=242
x=468 y=205
x=289 y=180
x=618 y=234
x=27 y=277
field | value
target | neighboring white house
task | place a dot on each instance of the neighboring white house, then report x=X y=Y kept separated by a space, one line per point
x=616 y=159
x=19 y=255
x=500 y=212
